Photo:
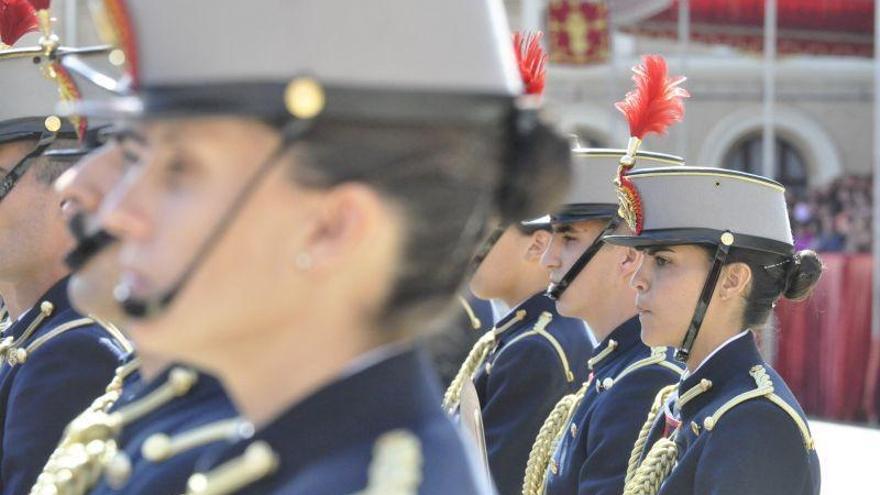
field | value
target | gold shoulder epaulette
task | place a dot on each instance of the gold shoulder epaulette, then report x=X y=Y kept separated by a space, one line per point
x=117 y=334
x=658 y=357
x=476 y=324
x=89 y=445
x=160 y=447
x=475 y=358
x=9 y=346
x=540 y=329
x=257 y=462
x=18 y=355
x=764 y=388
x=396 y=467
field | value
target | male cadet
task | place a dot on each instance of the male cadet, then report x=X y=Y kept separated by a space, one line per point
x=528 y=361
x=54 y=360
x=532 y=357
x=165 y=416
x=449 y=345
x=342 y=208
x=584 y=446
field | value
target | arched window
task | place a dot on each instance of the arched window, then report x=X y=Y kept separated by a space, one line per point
x=748 y=156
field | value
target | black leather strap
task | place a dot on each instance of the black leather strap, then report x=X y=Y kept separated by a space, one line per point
x=555 y=290
x=684 y=351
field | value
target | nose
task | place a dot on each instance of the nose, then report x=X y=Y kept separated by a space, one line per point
x=550 y=259
x=123 y=211
x=83 y=186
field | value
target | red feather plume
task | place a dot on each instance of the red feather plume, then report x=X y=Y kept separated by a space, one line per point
x=532 y=60
x=17 y=18
x=41 y=4
x=123 y=31
x=656 y=102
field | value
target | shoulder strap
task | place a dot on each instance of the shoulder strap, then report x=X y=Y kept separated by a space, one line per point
x=764 y=388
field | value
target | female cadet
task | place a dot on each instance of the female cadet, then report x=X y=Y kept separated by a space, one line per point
x=720 y=241
x=299 y=231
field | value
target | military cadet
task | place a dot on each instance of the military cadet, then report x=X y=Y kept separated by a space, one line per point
x=166 y=415
x=297 y=231
x=515 y=374
x=449 y=345
x=55 y=361
x=731 y=425
x=531 y=358
x=585 y=443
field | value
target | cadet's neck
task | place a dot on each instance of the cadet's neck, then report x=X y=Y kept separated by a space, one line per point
x=606 y=316
x=23 y=292
x=711 y=336
x=528 y=284
x=268 y=375
x=151 y=366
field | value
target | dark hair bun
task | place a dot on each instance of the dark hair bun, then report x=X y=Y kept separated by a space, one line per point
x=536 y=170
x=803 y=274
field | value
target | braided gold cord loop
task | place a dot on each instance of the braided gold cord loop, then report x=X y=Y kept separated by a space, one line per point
x=654 y=469
x=639 y=446
x=473 y=361
x=548 y=438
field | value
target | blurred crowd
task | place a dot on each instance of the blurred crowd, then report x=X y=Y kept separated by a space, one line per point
x=836 y=217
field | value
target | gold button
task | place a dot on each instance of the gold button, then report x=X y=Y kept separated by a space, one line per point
x=304 y=98
x=156 y=448
x=695 y=427
x=553 y=467
x=117 y=57
x=709 y=423
x=574 y=430
x=727 y=239
x=52 y=123
x=607 y=383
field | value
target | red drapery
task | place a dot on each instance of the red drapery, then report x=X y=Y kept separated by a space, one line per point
x=825 y=343
x=825 y=27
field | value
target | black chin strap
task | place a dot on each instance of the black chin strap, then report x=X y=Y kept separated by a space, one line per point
x=20 y=168
x=555 y=290
x=152 y=306
x=684 y=351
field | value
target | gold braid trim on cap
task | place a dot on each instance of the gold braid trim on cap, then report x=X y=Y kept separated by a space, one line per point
x=472 y=363
x=639 y=446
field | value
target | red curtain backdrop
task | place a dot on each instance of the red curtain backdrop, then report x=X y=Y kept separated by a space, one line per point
x=825 y=346
x=821 y=27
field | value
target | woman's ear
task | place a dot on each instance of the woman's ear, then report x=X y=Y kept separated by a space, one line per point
x=346 y=217
x=735 y=280
x=539 y=244
x=629 y=261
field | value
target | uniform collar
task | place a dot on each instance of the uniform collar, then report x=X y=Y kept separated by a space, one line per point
x=624 y=337
x=57 y=295
x=523 y=314
x=730 y=361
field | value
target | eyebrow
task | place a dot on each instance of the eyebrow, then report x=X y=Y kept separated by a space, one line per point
x=657 y=249
x=561 y=229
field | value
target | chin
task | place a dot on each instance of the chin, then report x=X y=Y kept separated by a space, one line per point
x=566 y=307
x=651 y=337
